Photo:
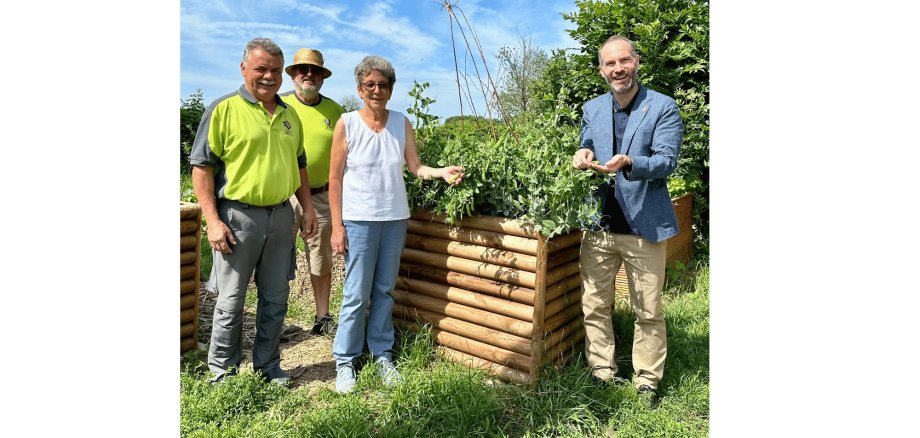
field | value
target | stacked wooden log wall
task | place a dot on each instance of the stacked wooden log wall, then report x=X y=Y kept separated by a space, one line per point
x=189 y=279
x=680 y=247
x=497 y=294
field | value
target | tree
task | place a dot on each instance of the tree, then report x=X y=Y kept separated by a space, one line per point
x=350 y=103
x=190 y=111
x=672 y=38
x=520 y=67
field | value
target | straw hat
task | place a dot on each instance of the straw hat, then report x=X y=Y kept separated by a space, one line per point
x=311 y=57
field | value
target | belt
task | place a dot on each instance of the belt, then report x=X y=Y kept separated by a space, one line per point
x=318 y=190
x=245 y=205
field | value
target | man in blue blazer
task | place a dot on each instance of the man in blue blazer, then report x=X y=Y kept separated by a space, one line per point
x=634 y=134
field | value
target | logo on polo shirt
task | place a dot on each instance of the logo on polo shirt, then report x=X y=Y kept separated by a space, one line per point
x=287 y=127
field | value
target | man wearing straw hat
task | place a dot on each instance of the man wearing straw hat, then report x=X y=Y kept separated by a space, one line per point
x=247 y=160
x=318 y=115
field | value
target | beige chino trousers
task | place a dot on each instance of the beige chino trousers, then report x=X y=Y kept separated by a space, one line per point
x=602 y=254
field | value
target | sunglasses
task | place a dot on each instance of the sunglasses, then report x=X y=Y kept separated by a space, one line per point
x=305 y=69
x=369 y=86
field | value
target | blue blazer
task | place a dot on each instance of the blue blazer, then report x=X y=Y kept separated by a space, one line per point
x=652 y=139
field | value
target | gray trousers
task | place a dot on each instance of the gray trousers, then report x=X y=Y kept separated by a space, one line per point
x=264 y=244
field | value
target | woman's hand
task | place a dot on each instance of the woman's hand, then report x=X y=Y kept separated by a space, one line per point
x=452 y=174
x=339 y=239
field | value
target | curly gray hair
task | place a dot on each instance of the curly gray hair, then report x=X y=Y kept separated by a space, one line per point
x=265 y=44
x=371 y=63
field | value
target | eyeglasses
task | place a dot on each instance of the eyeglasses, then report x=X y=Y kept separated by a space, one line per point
x=369 y=86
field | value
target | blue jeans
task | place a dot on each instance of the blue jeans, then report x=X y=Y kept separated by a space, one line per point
x=371 y=266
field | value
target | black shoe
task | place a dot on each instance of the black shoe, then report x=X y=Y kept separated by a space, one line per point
x=323 y=326
x=652 y=394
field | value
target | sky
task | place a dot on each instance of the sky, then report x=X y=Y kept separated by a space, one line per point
x=415 y=36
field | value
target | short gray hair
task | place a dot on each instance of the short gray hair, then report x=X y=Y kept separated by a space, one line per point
x=632 y=46
x=265 y=44
x=371 y=63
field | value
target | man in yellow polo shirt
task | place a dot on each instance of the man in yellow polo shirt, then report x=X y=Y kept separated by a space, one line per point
x=318 y=115
x=247 y=160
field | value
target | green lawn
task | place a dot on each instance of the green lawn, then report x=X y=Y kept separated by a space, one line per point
x=442 y=399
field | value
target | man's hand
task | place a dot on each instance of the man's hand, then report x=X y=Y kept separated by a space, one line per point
x=220 y=237
x=615 y=164
x=310 y=225
x=582 y=158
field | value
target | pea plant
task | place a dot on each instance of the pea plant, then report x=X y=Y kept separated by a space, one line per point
x=524 y=173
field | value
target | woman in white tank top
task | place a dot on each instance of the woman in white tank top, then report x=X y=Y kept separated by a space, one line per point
x=370 y=211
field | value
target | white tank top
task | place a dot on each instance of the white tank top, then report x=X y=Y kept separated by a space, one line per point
x=373 y=187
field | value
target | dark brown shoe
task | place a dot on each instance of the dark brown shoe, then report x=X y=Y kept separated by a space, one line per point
x=651 y=393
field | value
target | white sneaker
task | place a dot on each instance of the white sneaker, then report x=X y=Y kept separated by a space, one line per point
x=387 y=371
x=345 y=379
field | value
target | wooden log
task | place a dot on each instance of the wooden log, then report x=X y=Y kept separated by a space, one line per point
x=187 y=315
x=465 y=297
x=463 y=328
x=481 y=269
x=554 y=336
x=487 y=223
x=470 y=282
x=187 y=286
x=187 y=344
x=557 y=320
x=539 y=306
x=186 y=257
x=466 y=313
x=188 y=210
x=557 y=305
x=187 y=330
x=501 y=356
x=561 y=272
x=490 y=239
x=502 y=372
x=621 y=282
x=480 y=349
x=562 y=349
x=473 y=252
x=188 y=301
x=188 y=272
x=564 y=241
x=562 y=257
x=188 y=242
x=188 y=226
x=567 y=284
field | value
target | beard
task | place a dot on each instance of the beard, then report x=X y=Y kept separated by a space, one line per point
x=307 y=90
x=630 y=82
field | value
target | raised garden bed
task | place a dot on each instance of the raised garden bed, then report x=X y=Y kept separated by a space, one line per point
x=497 y=294
x=189 y=277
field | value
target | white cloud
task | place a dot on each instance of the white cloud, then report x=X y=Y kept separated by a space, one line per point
x=379 y=21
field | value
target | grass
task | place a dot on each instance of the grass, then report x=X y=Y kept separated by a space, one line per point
x=443 y=399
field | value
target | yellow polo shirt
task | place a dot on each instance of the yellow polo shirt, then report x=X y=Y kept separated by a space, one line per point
x=318 y=123
x=256 y=156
